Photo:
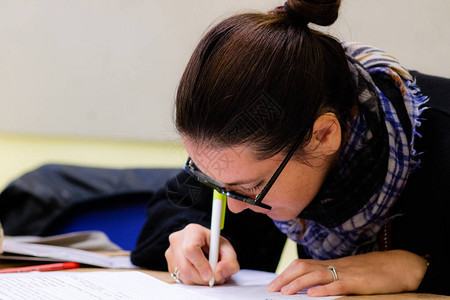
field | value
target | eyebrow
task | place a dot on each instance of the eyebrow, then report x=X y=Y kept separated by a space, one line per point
x=240 y=182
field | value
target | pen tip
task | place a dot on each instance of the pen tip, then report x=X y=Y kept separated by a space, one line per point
x=211 y=282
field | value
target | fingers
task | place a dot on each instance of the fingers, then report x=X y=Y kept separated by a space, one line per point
x=299 y=275
x=334 y=288
x=295 y=270
x=187 y=252
x=316 y=278
x=227 y=264
x=197 y=265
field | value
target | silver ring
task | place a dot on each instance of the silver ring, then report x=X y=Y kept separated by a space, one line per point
x=333 y=272
x=176 y=275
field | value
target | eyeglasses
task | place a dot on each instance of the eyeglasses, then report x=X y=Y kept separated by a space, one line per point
x=195 y=172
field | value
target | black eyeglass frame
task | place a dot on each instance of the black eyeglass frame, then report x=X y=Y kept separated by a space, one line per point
x=195 y=172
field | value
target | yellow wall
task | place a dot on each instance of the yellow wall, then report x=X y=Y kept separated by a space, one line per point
x=19 y=153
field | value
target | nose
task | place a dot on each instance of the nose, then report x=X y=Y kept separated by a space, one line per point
x=237 y=206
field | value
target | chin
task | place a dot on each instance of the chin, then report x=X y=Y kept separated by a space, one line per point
x=280 y=216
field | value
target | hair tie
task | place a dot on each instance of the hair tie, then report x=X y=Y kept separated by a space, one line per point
x=294 y=15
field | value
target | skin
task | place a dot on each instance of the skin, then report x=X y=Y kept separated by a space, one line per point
x=377 y=272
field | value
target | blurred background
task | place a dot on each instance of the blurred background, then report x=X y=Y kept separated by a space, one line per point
x=93 y=82
x=106 y=71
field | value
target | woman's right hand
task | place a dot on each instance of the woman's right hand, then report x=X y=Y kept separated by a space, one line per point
x=188 y=252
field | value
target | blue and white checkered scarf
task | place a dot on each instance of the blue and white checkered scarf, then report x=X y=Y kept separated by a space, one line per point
x=358 y=234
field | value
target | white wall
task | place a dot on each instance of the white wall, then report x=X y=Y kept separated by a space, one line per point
x=109 y=68
x=416 y=32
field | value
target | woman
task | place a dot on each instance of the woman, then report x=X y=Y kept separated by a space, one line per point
x=322 y=140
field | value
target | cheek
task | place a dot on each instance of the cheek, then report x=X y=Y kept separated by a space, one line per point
x=288 y=203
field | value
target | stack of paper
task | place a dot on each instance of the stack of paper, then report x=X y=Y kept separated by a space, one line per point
x=67 y=254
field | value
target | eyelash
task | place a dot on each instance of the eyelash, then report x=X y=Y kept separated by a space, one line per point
x=253 y=189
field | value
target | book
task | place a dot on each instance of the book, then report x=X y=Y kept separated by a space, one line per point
x=29 y=248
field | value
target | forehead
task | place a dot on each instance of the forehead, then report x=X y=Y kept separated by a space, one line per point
x=228 y=164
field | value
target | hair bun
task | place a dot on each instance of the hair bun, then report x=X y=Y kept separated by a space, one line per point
x=320 y=12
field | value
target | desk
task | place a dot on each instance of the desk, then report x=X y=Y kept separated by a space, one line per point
x=164 y=276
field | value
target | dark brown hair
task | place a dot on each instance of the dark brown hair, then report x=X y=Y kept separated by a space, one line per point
x=262 y=79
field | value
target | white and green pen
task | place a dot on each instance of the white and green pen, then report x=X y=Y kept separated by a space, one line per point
x=217 y=223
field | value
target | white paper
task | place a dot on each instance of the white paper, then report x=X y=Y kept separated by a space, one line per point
x=132 y=285
x=128 y=285
x=68 y=254
x=246 y=284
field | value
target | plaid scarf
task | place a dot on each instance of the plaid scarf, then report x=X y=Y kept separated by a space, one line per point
x=353 y=203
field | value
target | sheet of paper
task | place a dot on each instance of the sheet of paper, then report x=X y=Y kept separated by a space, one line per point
x=68 y=254
x=246 y=284
x=128 y=285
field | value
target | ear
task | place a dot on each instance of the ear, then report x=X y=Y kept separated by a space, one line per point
x=326 y=136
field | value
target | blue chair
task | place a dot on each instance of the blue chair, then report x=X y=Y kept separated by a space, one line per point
x=55 y=199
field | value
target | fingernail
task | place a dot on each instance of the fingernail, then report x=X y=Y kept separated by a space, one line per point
x=285 y=290
x=271 y=287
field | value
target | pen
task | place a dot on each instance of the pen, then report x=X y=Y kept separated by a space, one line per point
x=42 y=268
x=217 y=222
